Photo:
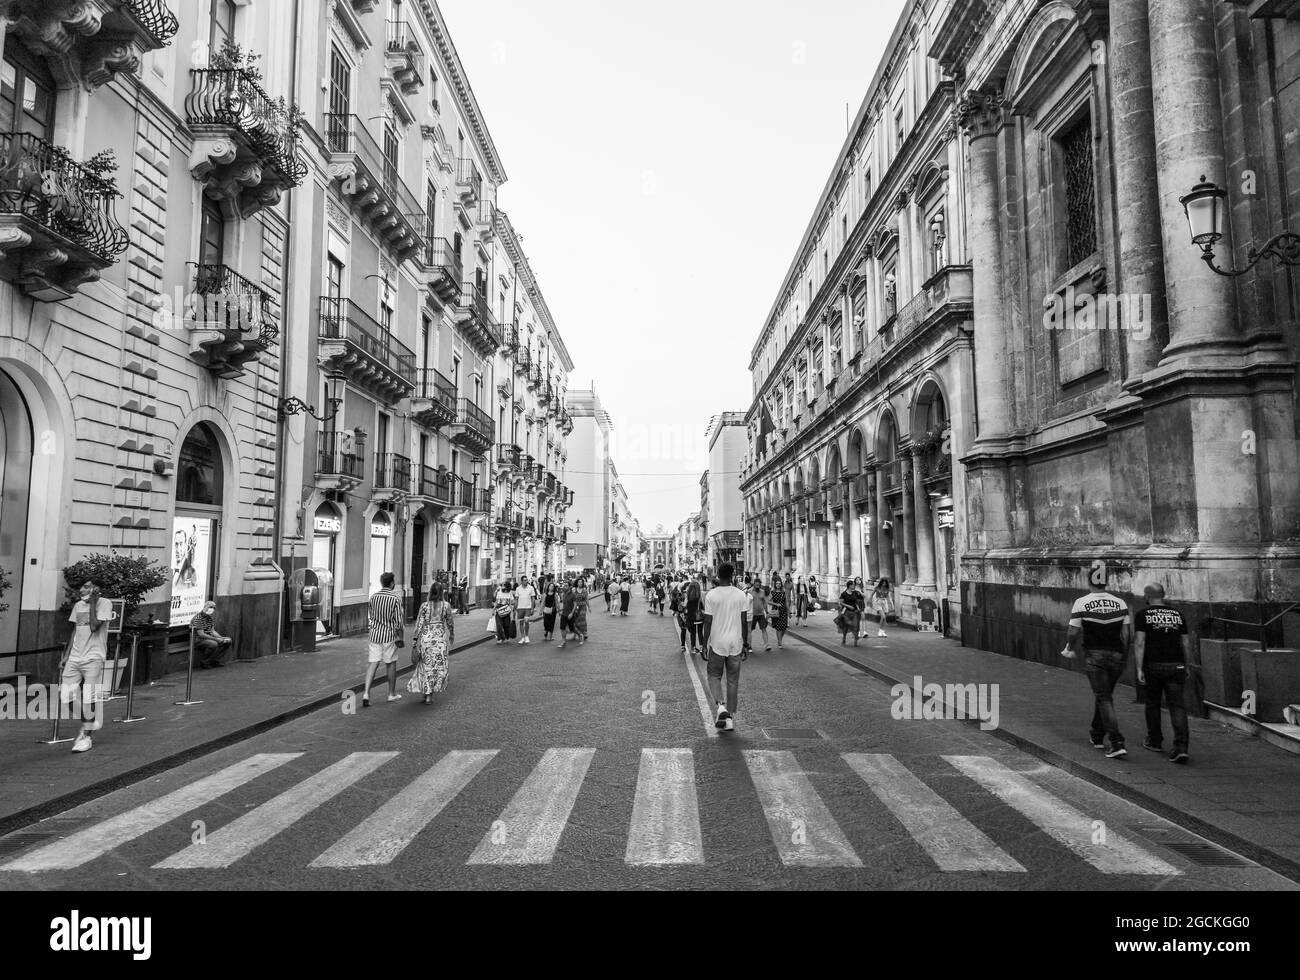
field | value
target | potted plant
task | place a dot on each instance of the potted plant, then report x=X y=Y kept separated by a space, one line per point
x=118 y=576
x=6 y=583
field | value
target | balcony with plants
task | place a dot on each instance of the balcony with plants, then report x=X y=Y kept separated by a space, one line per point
x=89 y=43
x=246 y=144
x=352 y=342
x=404 y=58
x=372 y=183
x=58 y=229
x=231 y=320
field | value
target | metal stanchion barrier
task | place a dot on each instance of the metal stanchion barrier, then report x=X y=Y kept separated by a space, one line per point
x=128 y=718
x=112 y=694
x=58 y=707
x=189 y=677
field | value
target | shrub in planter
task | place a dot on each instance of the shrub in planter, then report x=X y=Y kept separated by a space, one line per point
x=118 y=577
x=6 y=583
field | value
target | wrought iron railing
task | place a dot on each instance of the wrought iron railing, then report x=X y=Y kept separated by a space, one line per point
x=481 y=502
x=441 y=391
x=342 y=319
x=225 y=300
x=156 y=18
x=477 y=420
x=347 y=133
x=474 y=310
x=340 y=454
x=467 y=174
x=441 y=255
x=42 y=182
x=508 y=456
x=231 y=97
x=392 y=472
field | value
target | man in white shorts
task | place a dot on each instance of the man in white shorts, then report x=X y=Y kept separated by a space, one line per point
x=385 y=636
x=85 y=664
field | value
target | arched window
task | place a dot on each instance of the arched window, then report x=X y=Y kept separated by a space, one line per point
x=199 y=473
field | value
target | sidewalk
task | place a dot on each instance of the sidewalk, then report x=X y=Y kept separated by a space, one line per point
x=1237 y=790
x=238 y=700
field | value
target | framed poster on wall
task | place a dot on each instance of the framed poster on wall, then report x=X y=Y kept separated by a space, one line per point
x=191 y=567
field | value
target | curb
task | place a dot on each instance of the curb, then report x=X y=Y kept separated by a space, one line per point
x=1279 y=863
x=68 y=801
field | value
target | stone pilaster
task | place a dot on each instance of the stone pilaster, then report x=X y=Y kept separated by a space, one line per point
x=909 y=532
x=924 y=531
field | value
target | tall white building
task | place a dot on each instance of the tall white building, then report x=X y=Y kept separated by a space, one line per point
x=591 y=478
x=728 y=439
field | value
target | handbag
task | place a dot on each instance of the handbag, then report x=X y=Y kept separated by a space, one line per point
x=511 y=629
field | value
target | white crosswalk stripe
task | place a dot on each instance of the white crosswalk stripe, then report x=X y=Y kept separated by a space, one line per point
x=386 y=833
x=665 y=827
x=805 y=833
x=666 y=812
x=1108 y=852
x=93 y=842
x=529 y=829
x=950 y=839
x=236 y=840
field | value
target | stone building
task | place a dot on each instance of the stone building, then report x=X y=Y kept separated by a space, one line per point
x=591 y=479
x=1134 y=408
x=141 y=306
x=862 y=371
x=728 y=445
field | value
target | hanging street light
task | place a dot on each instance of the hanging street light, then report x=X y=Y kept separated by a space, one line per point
x=1205 y=207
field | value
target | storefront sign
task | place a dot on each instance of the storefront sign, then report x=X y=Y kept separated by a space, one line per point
x=947 y=518
x=328 y=525
x=191 y=561
x=380 y=529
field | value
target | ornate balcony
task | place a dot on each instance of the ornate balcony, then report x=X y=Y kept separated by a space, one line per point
x=231 y=320
x=566 y=422
x=505 y=515
x=473 y=428
x=57 y=228
x=550 y=484
x=508 y=458
x=93 y=41
x=485 y=221
x=392 y=477
x=404 y=57
x=443 y=271
x=246 y=149
x=545 y=393
x=530 y=524
x=474 y=318
x=463 y=492
x=373 y=186
x=433 y=403
x=481 y=501
x=523 y=362
x=432 y=484
x=352 y=341
x=534 y=375
x=340 y=459
x=469 y=182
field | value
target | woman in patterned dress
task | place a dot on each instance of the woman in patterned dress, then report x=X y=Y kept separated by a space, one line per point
x=579 y=618
x=780 y=605
x=435 y=631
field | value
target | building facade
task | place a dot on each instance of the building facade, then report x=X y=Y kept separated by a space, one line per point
x=728 y=446
x=861 y=373
x=142 y=296
x=1135 y=408
x=592 y=481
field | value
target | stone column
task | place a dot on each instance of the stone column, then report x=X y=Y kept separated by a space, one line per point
x=983 y=117
x=872 y=569
x=904 y=280
x=909 y=535
x=924 y=529
x=884 y=545
x=851 y=569
x=1141 y=271
x=1188 y=131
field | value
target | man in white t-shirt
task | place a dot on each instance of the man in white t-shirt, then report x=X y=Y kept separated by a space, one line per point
x=525 y=596
x=726 y=642
x=84 y=667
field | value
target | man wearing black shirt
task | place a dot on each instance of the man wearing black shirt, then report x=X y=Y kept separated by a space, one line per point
x=1160 y=650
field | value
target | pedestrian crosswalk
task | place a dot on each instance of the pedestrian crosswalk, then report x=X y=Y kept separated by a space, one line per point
x=666 y=817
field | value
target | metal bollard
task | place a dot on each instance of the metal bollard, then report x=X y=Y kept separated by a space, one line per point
x=128 y=718
x=189 y=678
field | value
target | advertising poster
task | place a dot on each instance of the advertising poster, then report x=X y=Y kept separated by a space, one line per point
x=191 y=554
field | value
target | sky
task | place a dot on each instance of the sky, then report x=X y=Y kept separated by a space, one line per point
x=664 y=161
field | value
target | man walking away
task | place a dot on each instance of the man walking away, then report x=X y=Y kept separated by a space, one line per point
x=726 y=642
x=1160 y=645
x=1104 y=624
x=212 y=647
x=385 y=636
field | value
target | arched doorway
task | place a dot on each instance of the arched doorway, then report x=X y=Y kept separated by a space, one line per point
x=381 y=540
x=934 y=470
x=889 y=491
x=17 y=445
x=327 y=531
x=419 y=563
x=196 y=523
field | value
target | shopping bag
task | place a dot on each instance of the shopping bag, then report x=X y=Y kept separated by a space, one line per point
x=511 y=629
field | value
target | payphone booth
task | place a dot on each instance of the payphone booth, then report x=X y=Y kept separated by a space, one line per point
x=310 y=605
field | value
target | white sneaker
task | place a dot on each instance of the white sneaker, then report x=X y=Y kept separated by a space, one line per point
x=729 y=725
x=723 y=717
x=519 y=642
x=528 y=639
x=881 y=633
x=394 y=697
x=82 y=744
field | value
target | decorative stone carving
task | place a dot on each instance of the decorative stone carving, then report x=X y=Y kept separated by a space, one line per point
x=982 y=114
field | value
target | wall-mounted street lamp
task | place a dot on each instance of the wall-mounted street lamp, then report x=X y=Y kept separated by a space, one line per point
x=1205 y=209
x=334 y=399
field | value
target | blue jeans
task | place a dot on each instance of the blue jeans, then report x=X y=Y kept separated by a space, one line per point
x=1104 y=668
x=1166 y=679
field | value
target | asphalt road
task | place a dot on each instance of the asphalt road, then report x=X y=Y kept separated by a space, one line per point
x=592 y=767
